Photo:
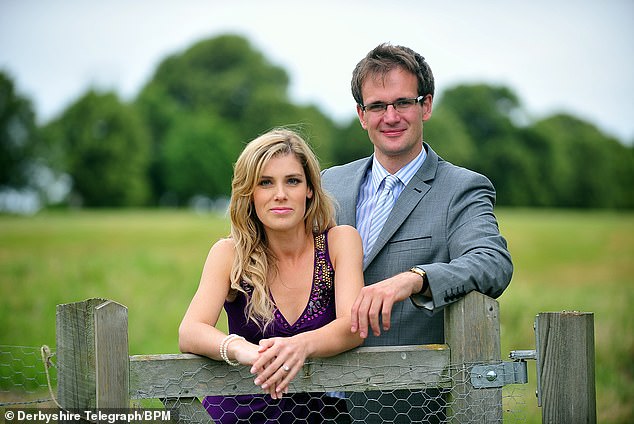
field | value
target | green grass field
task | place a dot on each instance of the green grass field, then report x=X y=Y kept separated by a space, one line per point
x=151 y=260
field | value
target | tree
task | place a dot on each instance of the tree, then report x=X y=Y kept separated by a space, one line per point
x=450 y=138
x=353 y=143
x=198 y=154
x=585 y=167
x=228 y=81
x=103 y=145
x=487 y=112
x=17 y=132
x=488 y=115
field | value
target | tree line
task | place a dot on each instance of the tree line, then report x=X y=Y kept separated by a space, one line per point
x=178 y=139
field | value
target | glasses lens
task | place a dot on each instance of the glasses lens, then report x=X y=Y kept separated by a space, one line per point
x=404 y=104
x=399 y=105
x=376 y=107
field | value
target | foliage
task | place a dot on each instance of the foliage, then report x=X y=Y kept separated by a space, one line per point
x=17 y=131
x=586 y=168
x=486 y=111
x=180 y=137
x=197 y=154
x=353 y=143
x=450 y=138
x=242 y=95
x=102 y=144
x=558 y=161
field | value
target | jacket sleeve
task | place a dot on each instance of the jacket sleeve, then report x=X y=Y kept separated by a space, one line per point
x=479 y=257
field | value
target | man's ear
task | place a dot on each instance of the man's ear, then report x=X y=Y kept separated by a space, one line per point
x=361 y=114
x=427 y=107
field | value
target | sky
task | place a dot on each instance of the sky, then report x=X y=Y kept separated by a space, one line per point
x=572 y=56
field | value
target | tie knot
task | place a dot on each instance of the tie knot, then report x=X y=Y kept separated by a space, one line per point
x=390 y=182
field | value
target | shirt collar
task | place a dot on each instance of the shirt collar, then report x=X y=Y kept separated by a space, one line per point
x=405 y=174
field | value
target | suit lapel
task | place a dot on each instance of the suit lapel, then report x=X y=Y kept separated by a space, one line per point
x=406 y=202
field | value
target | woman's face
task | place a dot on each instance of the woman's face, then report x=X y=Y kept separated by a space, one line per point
x=280 y=194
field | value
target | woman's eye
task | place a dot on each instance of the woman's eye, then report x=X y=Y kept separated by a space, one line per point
x=265 y=183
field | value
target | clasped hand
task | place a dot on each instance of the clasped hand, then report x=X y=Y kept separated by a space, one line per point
x=278 y=361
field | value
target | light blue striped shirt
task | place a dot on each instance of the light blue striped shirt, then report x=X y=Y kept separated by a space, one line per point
x=372 y=185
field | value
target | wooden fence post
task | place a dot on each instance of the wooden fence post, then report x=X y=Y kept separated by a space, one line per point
x=472 y=331
x=92 y=355
x=565 y=345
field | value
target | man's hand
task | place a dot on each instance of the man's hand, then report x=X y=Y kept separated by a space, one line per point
x=379 y=298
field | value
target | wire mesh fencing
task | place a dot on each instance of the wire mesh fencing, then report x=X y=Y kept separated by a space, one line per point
x=24 y=377
x=391 y=394
x=340 y=392
x=387 y=384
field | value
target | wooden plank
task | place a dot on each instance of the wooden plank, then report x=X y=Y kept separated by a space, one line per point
x=472 y=330
x=112 y=363
x=76 y=354
x=566 y=367
x=361 y=369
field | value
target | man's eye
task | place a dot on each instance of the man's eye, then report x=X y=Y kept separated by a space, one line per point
x=376 y=107
x=404 y=103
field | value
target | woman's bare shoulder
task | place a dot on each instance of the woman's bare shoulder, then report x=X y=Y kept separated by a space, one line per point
x=344 y=238
x=225 y=247
x=343 y=231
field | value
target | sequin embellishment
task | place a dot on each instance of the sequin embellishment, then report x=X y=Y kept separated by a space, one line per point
x=322 y=293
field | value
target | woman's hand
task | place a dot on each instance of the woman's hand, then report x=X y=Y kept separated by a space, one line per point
x=279 y=361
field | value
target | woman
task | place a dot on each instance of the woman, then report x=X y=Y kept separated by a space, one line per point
x=287 y=278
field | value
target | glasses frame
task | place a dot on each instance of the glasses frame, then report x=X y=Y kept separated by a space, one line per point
x=395 y=104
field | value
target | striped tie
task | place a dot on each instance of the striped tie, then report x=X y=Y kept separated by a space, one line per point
x=381 y=211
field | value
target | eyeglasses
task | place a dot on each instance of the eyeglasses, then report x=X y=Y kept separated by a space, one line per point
x=401 y=105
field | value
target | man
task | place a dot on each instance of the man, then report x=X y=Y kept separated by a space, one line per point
x=431 y=236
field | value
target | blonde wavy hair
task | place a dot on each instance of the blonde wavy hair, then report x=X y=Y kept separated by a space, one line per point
x=253 y=258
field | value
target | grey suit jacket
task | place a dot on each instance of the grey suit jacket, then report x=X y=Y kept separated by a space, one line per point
x=442 y=222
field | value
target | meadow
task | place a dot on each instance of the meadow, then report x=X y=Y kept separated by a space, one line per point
x=150 y=261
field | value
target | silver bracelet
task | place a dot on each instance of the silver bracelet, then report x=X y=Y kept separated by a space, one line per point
x=224 y=346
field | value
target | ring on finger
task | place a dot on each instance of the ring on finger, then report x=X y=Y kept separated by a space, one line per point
x=286 y=368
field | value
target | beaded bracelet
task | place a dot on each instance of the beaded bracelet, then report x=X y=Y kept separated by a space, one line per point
x=224 y=346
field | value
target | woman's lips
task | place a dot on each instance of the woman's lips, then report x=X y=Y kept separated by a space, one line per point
x=281 y=211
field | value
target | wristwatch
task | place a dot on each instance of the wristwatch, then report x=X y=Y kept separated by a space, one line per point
x=423 y=275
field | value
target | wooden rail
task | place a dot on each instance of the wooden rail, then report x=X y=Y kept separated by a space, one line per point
x=96 y=371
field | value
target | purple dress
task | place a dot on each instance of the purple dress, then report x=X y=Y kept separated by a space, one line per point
x=295 y=407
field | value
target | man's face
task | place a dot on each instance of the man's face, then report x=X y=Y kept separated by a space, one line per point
x=397 y=135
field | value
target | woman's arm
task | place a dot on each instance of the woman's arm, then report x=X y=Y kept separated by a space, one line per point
x=197 y=333
x=346 y=255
